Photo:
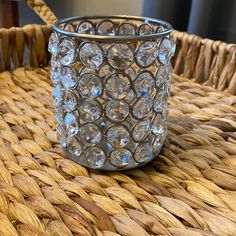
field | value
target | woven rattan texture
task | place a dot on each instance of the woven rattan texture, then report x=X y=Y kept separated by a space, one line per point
x=202 y=60
x=190 y=189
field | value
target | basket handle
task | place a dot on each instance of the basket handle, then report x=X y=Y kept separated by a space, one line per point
x=41 y=9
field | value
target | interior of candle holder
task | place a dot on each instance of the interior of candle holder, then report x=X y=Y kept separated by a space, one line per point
x=113 y=27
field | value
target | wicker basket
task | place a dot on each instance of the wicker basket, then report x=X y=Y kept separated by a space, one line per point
x=189 y=190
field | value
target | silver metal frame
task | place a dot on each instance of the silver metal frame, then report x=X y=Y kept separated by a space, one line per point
x=167 y=28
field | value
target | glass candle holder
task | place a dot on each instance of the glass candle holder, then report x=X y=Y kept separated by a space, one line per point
x=111 y=78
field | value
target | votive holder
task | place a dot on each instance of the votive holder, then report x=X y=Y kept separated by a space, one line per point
x=111 y=78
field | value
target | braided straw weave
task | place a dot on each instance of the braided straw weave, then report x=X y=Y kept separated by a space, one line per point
x=190 y=189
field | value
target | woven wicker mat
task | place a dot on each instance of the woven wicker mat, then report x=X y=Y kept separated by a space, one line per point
x=190 y=189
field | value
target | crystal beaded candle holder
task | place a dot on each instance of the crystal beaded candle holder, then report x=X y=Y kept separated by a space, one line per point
x=111 y=78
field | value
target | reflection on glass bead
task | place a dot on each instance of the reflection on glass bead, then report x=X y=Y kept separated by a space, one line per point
x=85 y=70
x=158 y=141
x=158 y=124
x=106 y=28
x=130 y=96
x=57 y=95
x=117 y=86
x=117 y=110
x=118 y=136
x=161 y=76
x=159 y=101
x=166 y=50
x=120 y=56
x=89 y=110
x=143 y=153
x=53 y=44
x=120 y=157
x=142 y=107
x=126 y=29
x=61 y=135
x=141 y=130
x=105 y=71
x=71 y=124
x=90 y=134
x=68 y=77
x=147 y=53
x=85 y=27
x=91 y=55
x=95 y=157
x=74 y=146
x=145 y=29
x=67 y=51
x=55 y=72
x=105 y=47
x=90 y=85
x=144 y=83
x=165 y=112
x=131 y=73
x=69 y=27
x=70 y=100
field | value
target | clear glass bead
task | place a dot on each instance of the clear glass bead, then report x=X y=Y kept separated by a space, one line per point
x=71 y=124
x=61 y=135
x=70 y=100
x=68 y=77
x=89 y=110
x=85 y=27
x=95 y=157
x=53 y=44
x=120 y=56
x=90 y=85
x=85 y=70
x=57 y=95
x=126 y=29
x=159 y=101
x=141 y=130
x=118 y=136
x=166 y=50
x=145 y=29
x=91 y=55
x=158 y=124
x=69 y=27
x=120 y=157
x=158 y=141
x=106 y=28
x=67 y=51
x=142 y=107
x=162 y=75
x=105 y=71
x=117 y=110
x=131 y=72
x=90 y=134
x=130 y=96
x=143 y=153
x=74 y=146
x=147 y=53
x=55 y=72
x=144 y=83
x=117 y=86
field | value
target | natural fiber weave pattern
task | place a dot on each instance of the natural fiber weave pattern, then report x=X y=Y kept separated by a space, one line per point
x=42 y=10
x=189 y=190
x=202 y=60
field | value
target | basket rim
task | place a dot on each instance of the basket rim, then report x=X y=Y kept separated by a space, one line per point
x=168 y=28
